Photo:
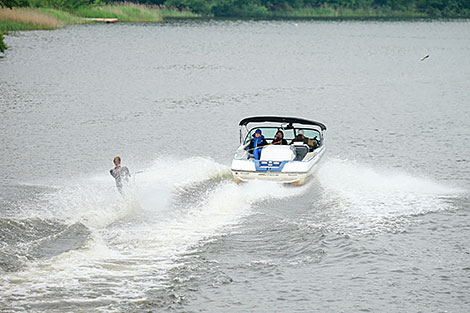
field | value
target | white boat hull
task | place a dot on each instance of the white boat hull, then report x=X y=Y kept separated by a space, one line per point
x=289 y=171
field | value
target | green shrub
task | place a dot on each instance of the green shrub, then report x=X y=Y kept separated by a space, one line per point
x=63 y=16
x=244 y=8
x=124 y=13
x=3 y=45
x=175 y=13
x=197 y=6
x=73 y=4
x=56 y=4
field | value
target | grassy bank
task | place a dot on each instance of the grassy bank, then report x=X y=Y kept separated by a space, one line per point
x=124 y=13
x=46 y=18
x=130 y=12
x=174 y=13
x=31 y=19
x=328 y=12
x=17 y=19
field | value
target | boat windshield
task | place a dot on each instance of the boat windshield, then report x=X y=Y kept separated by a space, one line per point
x=270 y=132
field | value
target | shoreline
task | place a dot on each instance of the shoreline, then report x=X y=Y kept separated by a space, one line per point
x=21 y=19
x=24 y=19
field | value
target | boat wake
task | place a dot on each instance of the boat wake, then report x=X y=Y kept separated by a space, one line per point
x=373 y=199
x=170 y=210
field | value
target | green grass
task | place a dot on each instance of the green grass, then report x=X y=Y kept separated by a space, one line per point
x=327 y=12
x=8 y=26
x=48 y=18
x=123 y=13
x=63 y=16
x=175 y=13
x=36 y=19
x=20 y=19
x=26 y=19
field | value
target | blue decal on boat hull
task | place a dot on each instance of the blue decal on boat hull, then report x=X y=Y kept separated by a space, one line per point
x=271 y=166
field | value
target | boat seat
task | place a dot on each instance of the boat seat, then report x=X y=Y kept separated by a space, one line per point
x=301 y=150
x=277 y=153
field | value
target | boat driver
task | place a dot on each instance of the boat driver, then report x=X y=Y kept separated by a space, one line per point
x=306 y=141
x=257 y=143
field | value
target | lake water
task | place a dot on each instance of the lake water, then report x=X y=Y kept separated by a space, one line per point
x=383 y=226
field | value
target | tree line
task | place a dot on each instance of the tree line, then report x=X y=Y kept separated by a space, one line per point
x=56 y=4
x=235 y=8
x=252 y=7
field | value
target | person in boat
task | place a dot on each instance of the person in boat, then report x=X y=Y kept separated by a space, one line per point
x=257 y=143
x=306 y=141
x=279 y=139
x=120 y=173
x=300 y=137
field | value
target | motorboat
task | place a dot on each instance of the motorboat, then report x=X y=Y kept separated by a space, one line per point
x=293 y=162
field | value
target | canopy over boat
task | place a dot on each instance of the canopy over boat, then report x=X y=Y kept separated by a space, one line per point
x=280 y=119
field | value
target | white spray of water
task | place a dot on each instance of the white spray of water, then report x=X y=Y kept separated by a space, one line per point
x=135 y=240
x=96 y=203
x=153 y=187
x=366 y=197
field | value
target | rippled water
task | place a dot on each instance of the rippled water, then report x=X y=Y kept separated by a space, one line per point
x=384 y=223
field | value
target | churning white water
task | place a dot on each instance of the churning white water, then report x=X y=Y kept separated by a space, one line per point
x=139 y=236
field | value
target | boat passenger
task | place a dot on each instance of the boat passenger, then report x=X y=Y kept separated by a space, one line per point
x=120 y=173
x=301 y=138
x=279 y=139
x=301 y=151
x=257 y=143
x=312 y=143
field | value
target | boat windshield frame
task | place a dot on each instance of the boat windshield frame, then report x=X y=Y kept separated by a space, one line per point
x=289 y=133
x=280 y=123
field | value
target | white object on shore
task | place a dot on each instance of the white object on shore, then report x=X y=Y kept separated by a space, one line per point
x=102 y=19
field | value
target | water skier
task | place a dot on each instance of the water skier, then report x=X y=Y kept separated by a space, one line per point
x=120 y=173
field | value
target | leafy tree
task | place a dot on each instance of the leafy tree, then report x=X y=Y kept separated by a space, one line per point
x=9 y=3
